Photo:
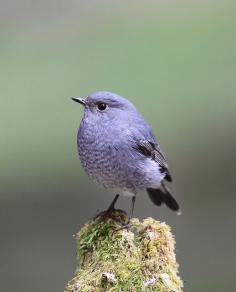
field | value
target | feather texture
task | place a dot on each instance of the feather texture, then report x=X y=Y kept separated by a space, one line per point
x=163 y=195
x=153 y=151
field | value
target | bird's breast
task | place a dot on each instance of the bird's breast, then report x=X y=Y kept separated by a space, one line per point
x=97 y=156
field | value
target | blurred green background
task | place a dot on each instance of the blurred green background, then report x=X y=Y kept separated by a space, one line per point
x=176 y=60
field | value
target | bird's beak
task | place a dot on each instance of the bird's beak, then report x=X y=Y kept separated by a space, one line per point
x=79 y=100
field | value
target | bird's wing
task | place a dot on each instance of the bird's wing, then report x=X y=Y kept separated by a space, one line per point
x=153 y=150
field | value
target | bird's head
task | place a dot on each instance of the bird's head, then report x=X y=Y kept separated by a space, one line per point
x=103 y=105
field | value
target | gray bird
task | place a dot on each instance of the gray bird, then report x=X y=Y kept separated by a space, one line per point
x=119 y=151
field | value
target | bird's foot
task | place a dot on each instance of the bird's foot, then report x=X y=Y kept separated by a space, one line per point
x=111 y=213
x=124 y=226
x=115 y=214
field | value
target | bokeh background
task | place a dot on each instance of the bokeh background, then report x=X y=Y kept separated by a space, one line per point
x=176 y=60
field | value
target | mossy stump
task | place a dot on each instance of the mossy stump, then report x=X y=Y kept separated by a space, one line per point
x=141 y=258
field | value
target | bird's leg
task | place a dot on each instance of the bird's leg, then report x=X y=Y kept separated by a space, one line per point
x=112 y=205
x=132 y=207
x=109 y=210
x=127 y=225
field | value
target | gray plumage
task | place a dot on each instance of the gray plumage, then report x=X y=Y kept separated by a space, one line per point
x=119 y=151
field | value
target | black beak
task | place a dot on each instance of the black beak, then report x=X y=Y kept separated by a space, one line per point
x=79 y=100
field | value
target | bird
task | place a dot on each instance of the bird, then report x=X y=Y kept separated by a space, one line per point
x=119 y=151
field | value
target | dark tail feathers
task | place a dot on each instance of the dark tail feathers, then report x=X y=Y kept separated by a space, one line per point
x=163 y=195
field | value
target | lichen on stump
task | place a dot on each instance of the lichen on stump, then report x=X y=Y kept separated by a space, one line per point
x=141 y=258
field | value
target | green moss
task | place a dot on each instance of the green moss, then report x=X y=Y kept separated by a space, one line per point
x=139 y=259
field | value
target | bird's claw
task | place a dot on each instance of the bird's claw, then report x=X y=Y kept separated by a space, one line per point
x=110 y=213
x=124 y=226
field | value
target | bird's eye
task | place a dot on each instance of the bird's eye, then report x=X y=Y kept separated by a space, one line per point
x=102 y=106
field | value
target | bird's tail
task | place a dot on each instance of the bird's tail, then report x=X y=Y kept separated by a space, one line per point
x=163 y=195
